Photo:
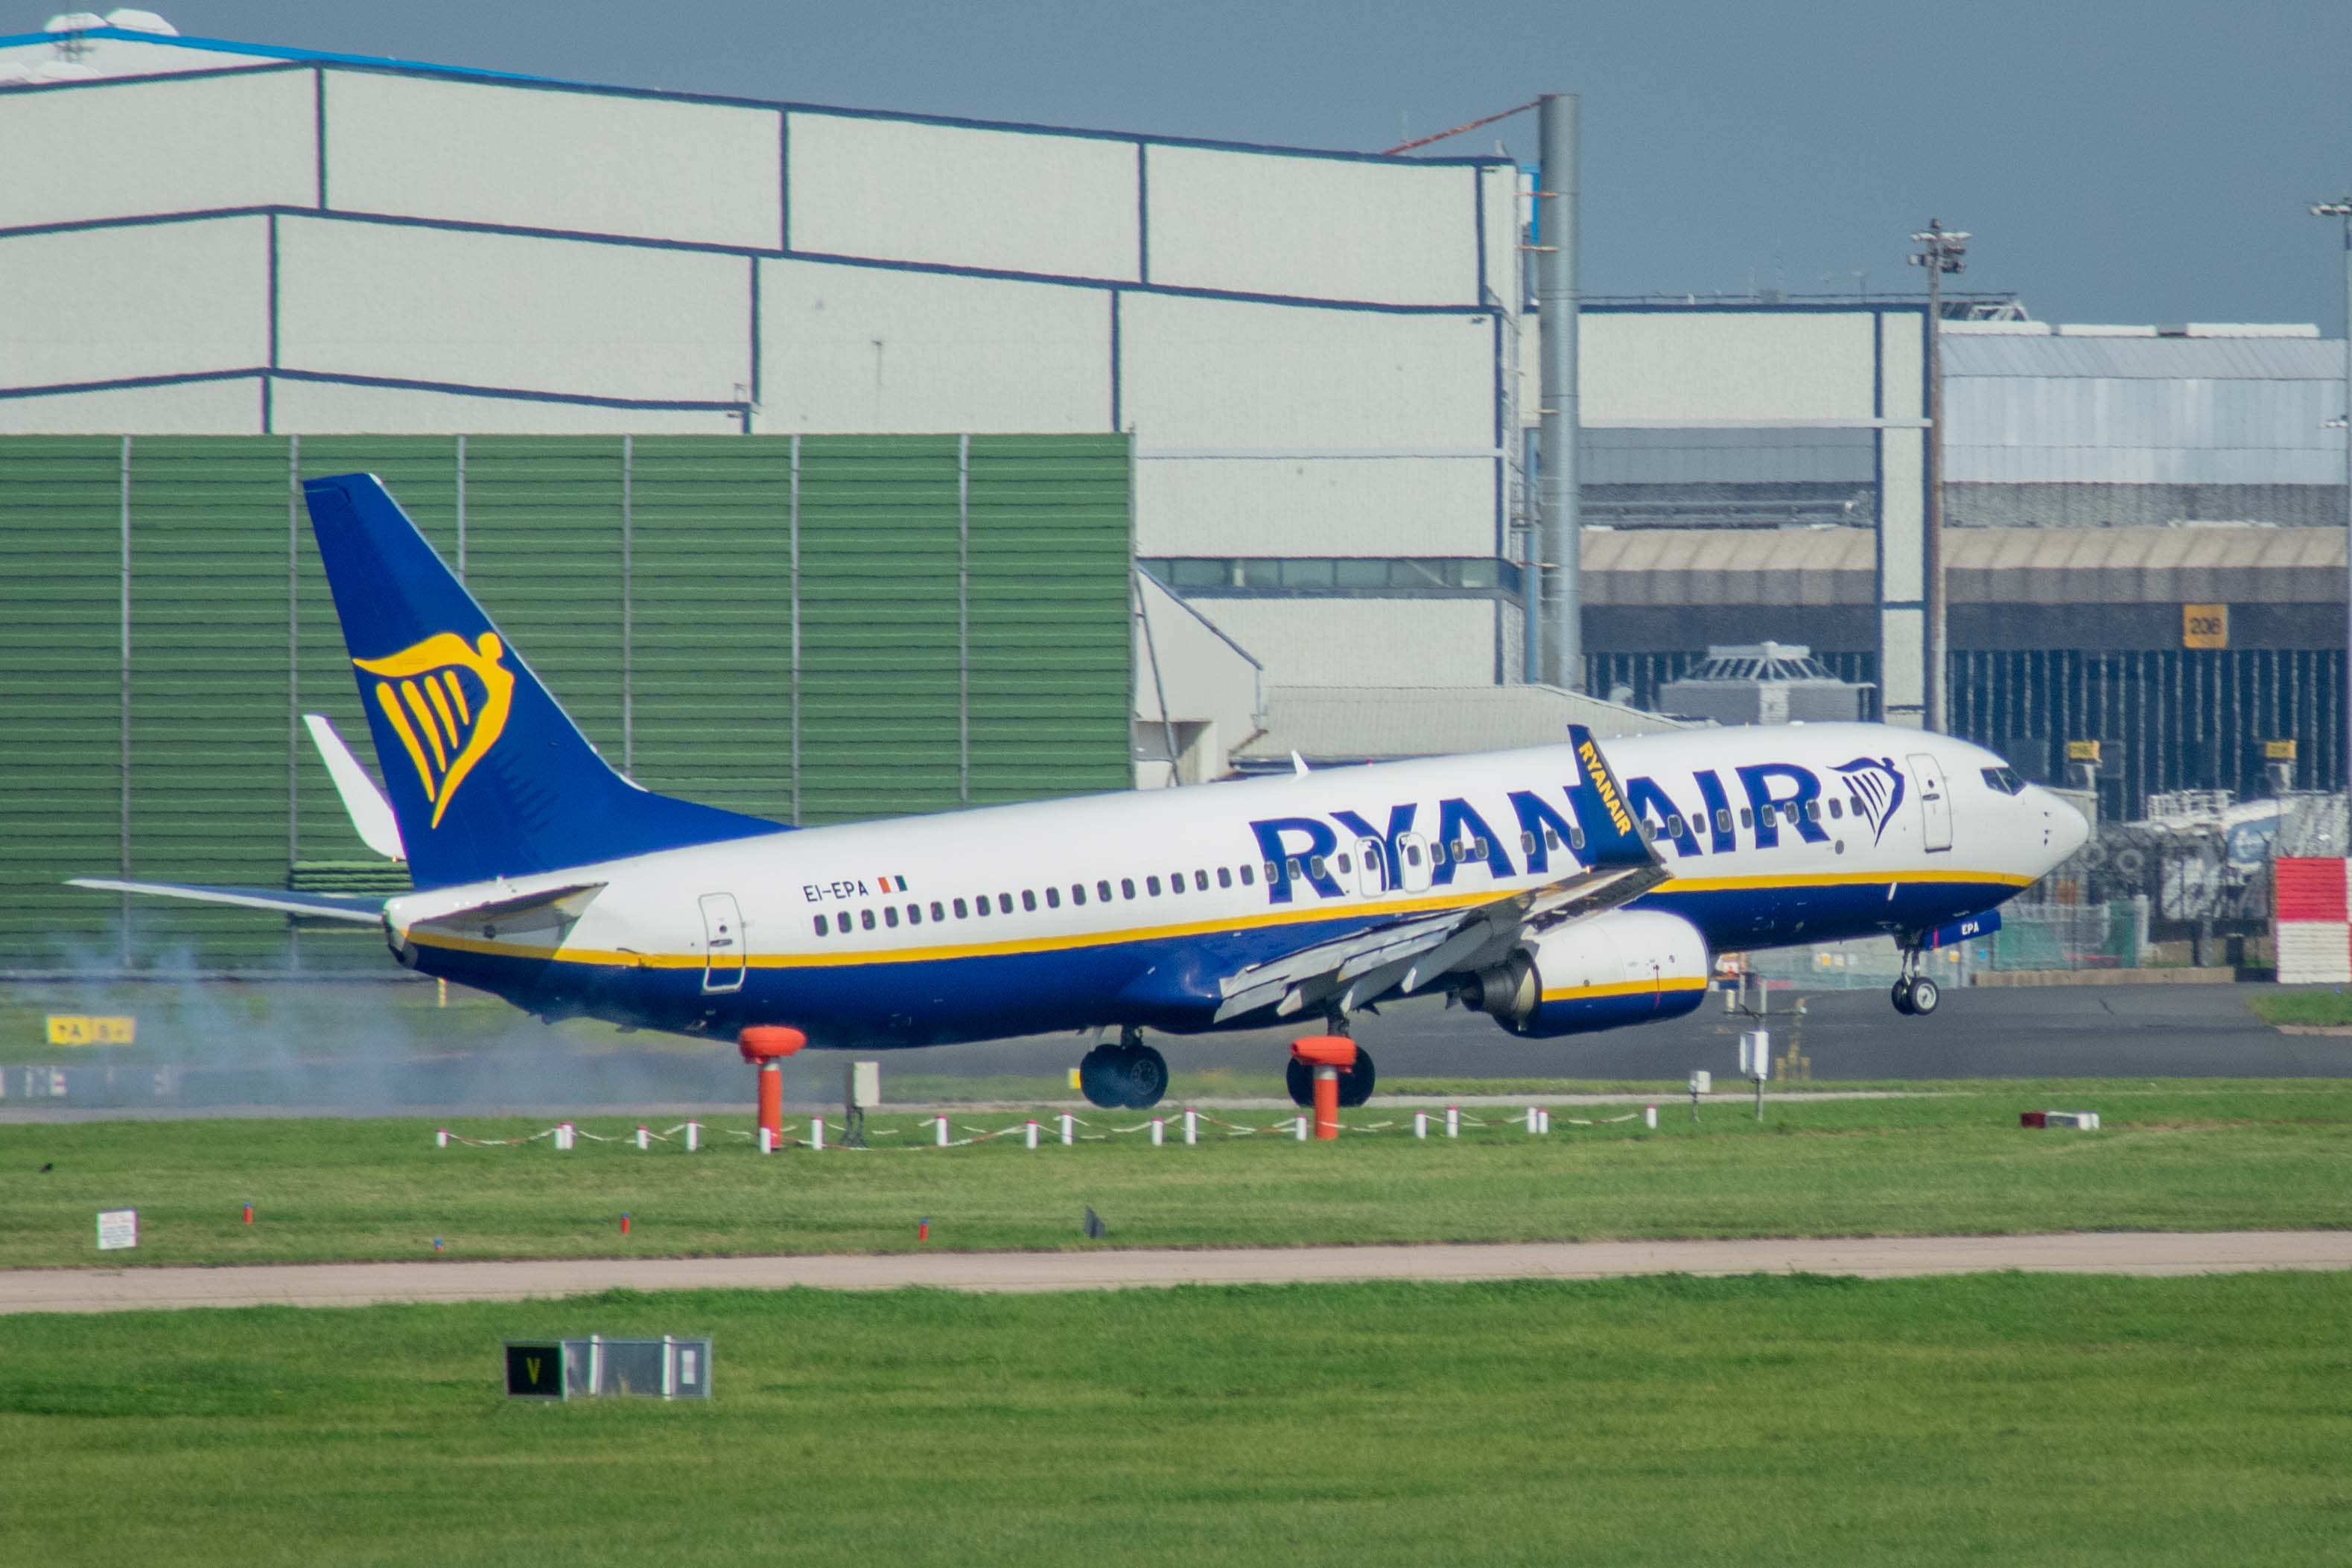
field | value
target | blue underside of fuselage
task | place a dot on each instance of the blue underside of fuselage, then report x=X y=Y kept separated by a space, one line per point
x=1168 y=983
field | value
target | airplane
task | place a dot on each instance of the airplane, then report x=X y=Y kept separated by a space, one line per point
x=1559 y=890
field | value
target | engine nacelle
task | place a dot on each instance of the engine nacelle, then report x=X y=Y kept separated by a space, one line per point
x=1626 y=966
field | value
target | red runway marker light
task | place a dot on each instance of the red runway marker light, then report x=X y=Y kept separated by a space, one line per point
x=1329 y=1055
x=625 y=1224
x=923 y=1228
x=248 y=1214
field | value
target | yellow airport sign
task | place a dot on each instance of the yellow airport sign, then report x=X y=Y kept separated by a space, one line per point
x=2204 y=626
x=2082 y=751
x=80 y=1029
x=2278 y=750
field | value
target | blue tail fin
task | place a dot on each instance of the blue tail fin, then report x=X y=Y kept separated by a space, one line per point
x=487 y=775
x=1611 y=835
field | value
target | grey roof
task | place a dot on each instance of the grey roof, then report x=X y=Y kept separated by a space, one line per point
x=1381 y=722
x=1984 y=565
x=2144 y=359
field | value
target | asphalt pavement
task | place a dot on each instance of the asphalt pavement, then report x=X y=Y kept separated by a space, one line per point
x=1881 y=1256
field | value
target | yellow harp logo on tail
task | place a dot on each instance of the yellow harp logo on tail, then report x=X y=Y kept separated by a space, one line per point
x=447 y=703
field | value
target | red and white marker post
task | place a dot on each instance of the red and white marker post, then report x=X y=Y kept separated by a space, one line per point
x=1329 y=1055
x=765 y=1046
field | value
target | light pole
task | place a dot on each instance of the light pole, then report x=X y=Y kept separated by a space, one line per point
x=1941 y=251
x=2342 y=208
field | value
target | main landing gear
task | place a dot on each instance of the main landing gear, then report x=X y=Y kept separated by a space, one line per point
x=1128 y=1076
x=1916 y=995
x=1355 y=1082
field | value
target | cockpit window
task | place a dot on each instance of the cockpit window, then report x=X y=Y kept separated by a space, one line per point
x=2003 y=781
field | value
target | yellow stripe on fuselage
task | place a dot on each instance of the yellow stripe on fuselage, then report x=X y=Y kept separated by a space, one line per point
x=1627 y=988
x=1426 y=905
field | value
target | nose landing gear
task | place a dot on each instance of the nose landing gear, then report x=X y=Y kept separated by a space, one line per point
x=1915 y=995
x=1128 y=1076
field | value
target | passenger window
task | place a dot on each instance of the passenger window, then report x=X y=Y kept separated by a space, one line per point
x=1315 y=868
x=1479 y=847
x=1151 y=885
x=1176 y=883
x=1224 y=876
x=1102 y=891
x=1201 y=882
x=961 y=912
x=1273 y=872
x=1722 y=819
x=1245 y=876
x=914 y=914
x=820 y=925
x=1344 y=867
x=937 y=912
x=1526 y=843
x=1029 y=899
x=1674 y=826
x=1649 y=830
x=1127 y=888
x=1812 y=810
x=1747 y=816
x=1078 y=894
x=1437 y=854
x=1004 y=903
x=1551 y=838
x=1576 y=837
x=1836 y=810
x=1411 y=853
x=981 y=905
x=865 y=918
x=1295 y=871
x=1052 y=898
x=890 y=915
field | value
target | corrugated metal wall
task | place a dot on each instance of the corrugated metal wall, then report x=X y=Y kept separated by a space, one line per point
x=813 y=629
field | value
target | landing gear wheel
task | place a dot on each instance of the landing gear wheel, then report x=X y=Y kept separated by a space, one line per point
x=1924 y=995
x=1102 y=1077
x=1902 y=997
x=1355 y=1082
x=1144 y=1077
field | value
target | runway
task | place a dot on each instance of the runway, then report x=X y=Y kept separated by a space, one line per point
x=2152 y=1253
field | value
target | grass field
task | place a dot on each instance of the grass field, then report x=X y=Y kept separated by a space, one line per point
x=2331 y=1008
x=1669 y=1421
x=2198 y=1155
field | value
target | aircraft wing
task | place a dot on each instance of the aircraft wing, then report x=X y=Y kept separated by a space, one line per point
x=1349 y=971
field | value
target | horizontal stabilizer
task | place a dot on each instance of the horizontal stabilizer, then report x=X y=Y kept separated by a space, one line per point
x=359 y=910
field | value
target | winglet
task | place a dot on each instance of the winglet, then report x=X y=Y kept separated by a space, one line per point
x=1610 y=834
x=370 y=812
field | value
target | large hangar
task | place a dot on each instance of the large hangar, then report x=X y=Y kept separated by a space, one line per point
x=1315 y=351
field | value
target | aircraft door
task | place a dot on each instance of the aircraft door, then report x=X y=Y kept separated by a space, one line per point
x=722 y=942
x=1934 y=803
x=1412 y=862
x=1372 y=867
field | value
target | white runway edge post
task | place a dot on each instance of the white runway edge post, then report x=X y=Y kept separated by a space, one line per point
x=1531 y=1120
x=1159 y=1131
x=1069 y=1128
x=816 y=1134
x=441 y=1138
x=1649 y=1118
x=645 y=1137
x=1453 y=1121
x=941 y=1123
x=563 y=1132
x=1192 y=1125
x=1032 y=1133
x=693 y=1136
x=1421 y=1124
x=1300 y=1128
x=767 y=1141
x=1543 y=1120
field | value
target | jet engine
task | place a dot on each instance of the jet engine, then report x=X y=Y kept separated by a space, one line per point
x=1624 y=967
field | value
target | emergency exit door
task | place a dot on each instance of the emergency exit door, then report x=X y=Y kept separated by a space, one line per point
x=722 y=942
x=1935 y=803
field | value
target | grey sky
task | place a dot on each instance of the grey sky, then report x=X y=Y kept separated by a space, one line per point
x=2117 y=163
